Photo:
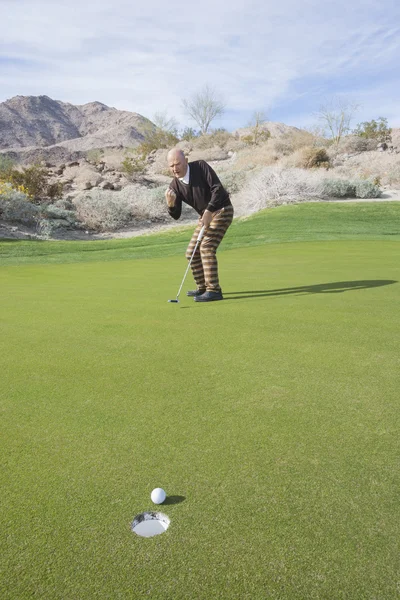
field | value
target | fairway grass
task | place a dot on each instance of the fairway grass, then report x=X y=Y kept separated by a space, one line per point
x=271 y=419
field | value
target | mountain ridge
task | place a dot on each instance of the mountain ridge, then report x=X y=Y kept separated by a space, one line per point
x=41 y=122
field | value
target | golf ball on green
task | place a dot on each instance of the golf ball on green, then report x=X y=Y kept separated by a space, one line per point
x=158 y=496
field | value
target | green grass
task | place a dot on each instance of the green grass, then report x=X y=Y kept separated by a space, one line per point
x=274 y=414
x=302 y=222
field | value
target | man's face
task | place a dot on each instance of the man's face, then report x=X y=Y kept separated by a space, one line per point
x=178 y=165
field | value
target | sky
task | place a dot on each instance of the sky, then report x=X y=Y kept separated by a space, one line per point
x=283 y=58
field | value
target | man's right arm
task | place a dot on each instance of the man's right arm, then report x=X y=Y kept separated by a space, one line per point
x=174 y=203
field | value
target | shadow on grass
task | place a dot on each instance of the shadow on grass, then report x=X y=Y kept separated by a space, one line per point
x=174 y=500
x=336 y=287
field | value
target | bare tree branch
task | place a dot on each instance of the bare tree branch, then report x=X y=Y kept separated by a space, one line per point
x=203 y=107
x=336 y=116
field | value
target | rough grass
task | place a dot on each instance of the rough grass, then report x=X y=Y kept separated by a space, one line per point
x=303 y=222
x=273 y=415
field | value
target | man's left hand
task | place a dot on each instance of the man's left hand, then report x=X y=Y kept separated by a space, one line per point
x=206 y=218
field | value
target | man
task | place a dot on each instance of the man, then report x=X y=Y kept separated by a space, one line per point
x=197 y=185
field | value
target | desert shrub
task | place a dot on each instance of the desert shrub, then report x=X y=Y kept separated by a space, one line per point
x=252 y=157
x=34 y=182
x=393 y=175
x=133 y=165
x=345 y=188
x=57 y=212
x=338 y=188
x=189 y=134
x=311 y=158
x=233 y=181
x=367 y=189
x=247 y=139
x=274 y=186
x=95 y=155
x=209 y=154
x=353 y=144
x=55 y=190
x=148 y=203
x=102 y=210
x=44 y=228
x=33 y=179
x=260 y=135
x=218 y=137
x=15 y=206
x=156 y=138
x=292 y=141
x=376 y=130
x=105 y=210
x=6 y=166
x=256 y=137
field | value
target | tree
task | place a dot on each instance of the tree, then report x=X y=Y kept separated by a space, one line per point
x=375 y=130
x=336 y=116
x=188 y=133
x=162 y=133
x=259 y=133
x=203 y=107
x=165 y=123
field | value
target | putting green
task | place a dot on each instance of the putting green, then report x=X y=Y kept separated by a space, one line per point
x=271 y=418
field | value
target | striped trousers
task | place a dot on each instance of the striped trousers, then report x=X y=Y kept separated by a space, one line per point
x=204 y=264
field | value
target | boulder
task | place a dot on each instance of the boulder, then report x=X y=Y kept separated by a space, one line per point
x=106 y=185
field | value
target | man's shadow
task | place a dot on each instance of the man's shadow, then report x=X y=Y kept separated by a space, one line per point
x=336 y=287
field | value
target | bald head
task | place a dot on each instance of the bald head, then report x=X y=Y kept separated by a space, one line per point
x=177 y=162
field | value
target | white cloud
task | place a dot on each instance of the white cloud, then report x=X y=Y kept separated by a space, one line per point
x=147 y=57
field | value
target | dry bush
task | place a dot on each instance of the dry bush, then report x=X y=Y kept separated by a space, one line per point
x=367 y=189
x=274 y=186
x=158 y=163
x=105 y=210
x=256 y=156
x=353 y=144
x=290 y=142
x=392 y=176
x=208 y=154
x=338 y=188
x=372 y=165
x=34 y=181
x=148 y=203
x=308 y=158
x=218 y=137
x=345 y=188
x=15 y=206
x=233 y=181
x=101 y=210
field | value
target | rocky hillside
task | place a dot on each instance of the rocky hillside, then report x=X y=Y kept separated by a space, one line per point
x=39 y=121
x=275 y=129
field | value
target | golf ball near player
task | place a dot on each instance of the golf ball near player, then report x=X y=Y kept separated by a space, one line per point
x=158 y=496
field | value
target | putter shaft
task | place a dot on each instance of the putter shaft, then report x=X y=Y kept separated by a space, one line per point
x=200 y=237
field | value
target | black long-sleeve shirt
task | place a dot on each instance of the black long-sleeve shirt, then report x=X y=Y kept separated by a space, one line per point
x=204 y=190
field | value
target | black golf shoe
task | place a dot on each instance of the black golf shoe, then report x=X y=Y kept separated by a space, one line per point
x=209 y=297
x=195 y=293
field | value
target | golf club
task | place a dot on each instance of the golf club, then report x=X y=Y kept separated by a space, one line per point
x=201 y=234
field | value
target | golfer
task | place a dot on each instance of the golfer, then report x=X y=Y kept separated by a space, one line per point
x=197 y=184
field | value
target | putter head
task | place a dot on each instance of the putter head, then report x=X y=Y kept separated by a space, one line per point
x=174 y=301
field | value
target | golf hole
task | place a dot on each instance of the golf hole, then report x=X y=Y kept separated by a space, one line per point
x=149 y=524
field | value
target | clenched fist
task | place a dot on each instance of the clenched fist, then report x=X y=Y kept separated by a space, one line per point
x=170 y=197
